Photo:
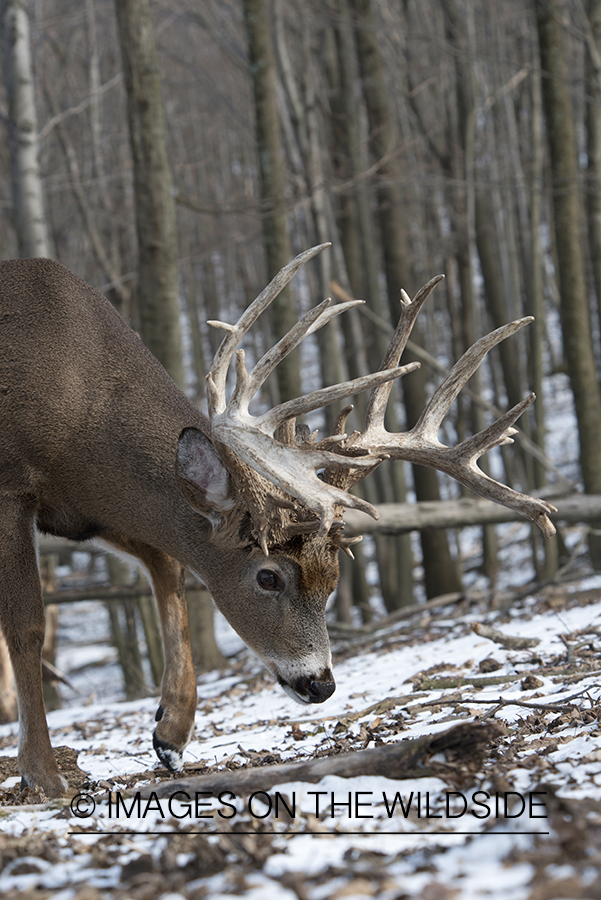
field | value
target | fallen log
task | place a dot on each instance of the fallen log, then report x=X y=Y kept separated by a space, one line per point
x=102 y=592
x=108 y=592
x=399 y=518
x=466 y=742
x=509 y=642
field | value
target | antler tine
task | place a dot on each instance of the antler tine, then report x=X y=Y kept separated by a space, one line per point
x=500 y=432
x=341 y=419
x=217 y=376
x=532 y=508
x=431 y=418
x=461 y=463
x=312 y=321
x=317 y=399
x=376 y=408
x=421 y=444
x=290 y=468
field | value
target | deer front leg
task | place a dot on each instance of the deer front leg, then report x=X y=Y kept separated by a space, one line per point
x=175 y=715
x=22 y=624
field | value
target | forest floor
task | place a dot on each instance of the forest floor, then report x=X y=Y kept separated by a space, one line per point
x=503 y=800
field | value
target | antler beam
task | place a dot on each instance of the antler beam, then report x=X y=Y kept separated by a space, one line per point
x=421 y=444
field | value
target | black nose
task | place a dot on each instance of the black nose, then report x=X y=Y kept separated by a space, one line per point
x=318 y=691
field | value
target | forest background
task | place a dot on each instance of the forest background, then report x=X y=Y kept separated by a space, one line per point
x=176 y=154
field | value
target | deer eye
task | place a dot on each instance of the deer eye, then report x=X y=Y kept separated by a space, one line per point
x=269 y=580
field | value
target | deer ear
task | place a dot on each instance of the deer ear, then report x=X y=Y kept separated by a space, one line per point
x=203 y=478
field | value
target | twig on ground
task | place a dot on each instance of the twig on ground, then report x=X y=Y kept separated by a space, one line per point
x=528 y=704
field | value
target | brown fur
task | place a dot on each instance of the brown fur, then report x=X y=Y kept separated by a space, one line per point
x=318 y=560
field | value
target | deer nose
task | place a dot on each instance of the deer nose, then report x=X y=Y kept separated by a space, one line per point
x=319 y=691
x=310 y=690
x=314 y=691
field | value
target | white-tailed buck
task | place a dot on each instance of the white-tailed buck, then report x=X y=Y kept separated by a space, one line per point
x=98 y=442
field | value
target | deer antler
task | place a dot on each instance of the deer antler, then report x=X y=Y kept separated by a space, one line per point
x=251 y=438
x=421 y=443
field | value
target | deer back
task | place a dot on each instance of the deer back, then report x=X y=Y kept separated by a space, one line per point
x=91 y=420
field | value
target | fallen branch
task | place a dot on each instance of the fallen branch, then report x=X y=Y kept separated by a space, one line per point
x=452 y=681
x=405 y=759
x=399 y=518
x=376 y=709
x=529 y=704
x=507 y=641
x=570 y=679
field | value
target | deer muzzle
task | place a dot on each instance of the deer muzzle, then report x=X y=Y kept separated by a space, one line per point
x=309 y=689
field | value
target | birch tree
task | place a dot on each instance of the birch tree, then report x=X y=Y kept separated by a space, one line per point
x=23 y=131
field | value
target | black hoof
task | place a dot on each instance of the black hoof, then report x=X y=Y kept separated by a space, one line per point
x=169 y=755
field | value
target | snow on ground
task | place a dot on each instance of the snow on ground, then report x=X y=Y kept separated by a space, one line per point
x=517 y=818
x=533 y=831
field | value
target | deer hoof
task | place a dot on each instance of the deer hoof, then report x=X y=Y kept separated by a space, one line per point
x=169 y=755
x=52 y=786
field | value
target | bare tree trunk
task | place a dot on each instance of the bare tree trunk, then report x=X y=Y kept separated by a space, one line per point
x=273 y=179
x=155 y=207
x=593 y=146
x=575 y=313
x=8 y=694
x=535 y=294
x=149 y=615
x=487 y=241
x=459 y=32
x=395 y=561
x=125 y=639
x=307 y=131
x=94 y=83
x=23 y=132
x=105 y=242
x=205 y=652
x=441 y=573
x=535 y=305
x=47 y=565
